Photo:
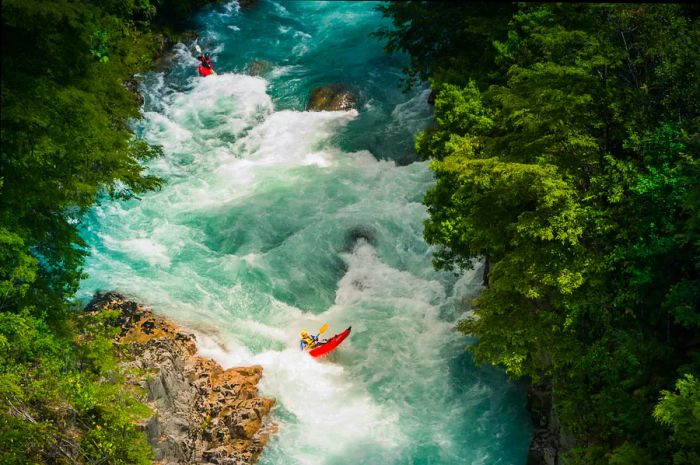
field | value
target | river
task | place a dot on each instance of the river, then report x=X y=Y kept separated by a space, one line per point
x=274 y=219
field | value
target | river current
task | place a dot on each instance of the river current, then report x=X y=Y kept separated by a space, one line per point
x=274 y=219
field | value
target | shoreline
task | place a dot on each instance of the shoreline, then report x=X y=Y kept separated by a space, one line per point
x=202 y=413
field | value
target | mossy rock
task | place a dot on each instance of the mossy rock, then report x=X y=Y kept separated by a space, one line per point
x=258 y=67
x=333 y=97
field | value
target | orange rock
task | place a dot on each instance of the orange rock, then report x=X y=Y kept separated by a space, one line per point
x=202 y=413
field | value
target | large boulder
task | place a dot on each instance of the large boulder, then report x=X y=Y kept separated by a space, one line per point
x=258 y=67
x=333 y=97
x=203 y=414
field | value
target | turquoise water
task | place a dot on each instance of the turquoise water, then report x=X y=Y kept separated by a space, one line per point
x=274 y=220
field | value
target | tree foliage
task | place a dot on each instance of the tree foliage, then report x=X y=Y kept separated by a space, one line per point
x=65 y=130
x=568 y=159
x=680 y=412
x=67 y=142
x=63 y=400
x=446 y=39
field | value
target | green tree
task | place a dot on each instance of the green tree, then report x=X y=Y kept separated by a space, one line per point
x=680 y=412
x=67 y=143
x=569 y=163
x=445 y=39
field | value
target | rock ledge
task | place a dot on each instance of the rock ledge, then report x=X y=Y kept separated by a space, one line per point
x=203 y=414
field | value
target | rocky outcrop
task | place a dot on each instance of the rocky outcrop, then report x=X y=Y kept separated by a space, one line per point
x=333 y=97
x=163 y=57
x=258 y=67
x=133 y=86
x=545 y=448
x=203 y=414
x=165 y=43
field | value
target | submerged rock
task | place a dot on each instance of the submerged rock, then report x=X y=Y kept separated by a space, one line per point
x=333 y=97
x=258 y=67
x=360 y=232
x=203 y=414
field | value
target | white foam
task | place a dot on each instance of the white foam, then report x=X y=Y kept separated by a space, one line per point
x=321 y=397
x=278 y=71
x=281 y=9
x=232 y=7
x=257 y=202
x=140 y=249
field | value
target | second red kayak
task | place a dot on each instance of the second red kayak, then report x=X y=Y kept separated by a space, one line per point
x=332 y=343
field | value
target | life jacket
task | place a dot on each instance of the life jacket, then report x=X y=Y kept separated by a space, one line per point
x=310 y=342
x=204 y=71
x=206 y=61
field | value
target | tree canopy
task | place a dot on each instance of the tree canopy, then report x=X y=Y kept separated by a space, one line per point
x=66 y=143
x=565 y=149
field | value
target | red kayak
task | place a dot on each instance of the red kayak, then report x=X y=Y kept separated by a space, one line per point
x=332 y=343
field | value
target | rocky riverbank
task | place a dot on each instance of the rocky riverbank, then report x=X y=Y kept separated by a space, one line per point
x=550 y=441
x=203 y=414
x=545 y=445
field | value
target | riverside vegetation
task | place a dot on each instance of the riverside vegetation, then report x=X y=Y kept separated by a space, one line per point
x=565 y=150
x=66 y=142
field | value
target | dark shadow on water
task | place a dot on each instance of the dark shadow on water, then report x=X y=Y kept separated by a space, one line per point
x=505 y=405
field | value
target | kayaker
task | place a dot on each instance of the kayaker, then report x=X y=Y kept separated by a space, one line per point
x=308 y=341
x=205 y=67
x=206 y=60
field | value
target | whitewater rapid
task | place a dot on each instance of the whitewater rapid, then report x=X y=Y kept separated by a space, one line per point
x=274 y=219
